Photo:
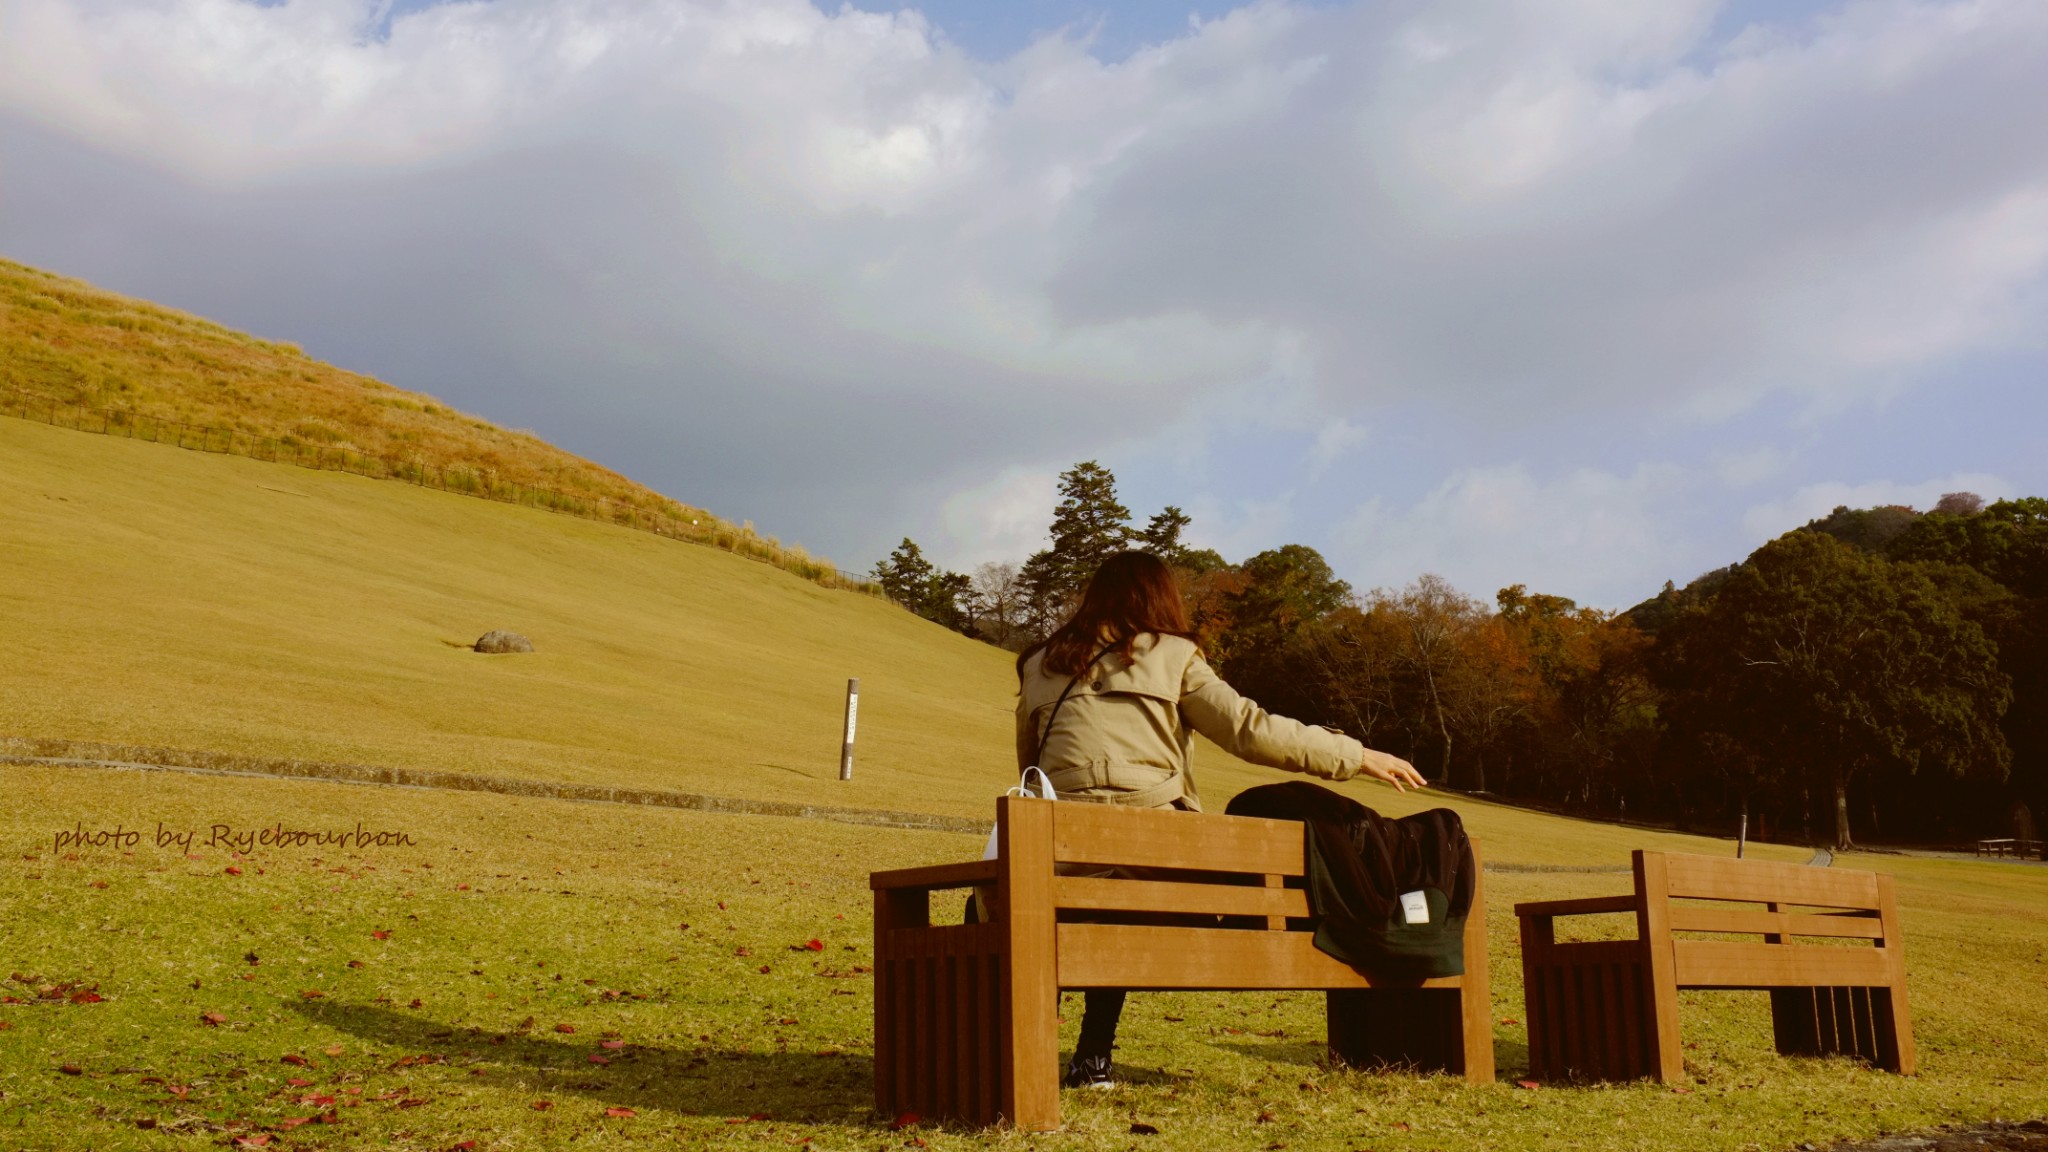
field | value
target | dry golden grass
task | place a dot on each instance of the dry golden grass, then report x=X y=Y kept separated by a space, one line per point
x=79 y=356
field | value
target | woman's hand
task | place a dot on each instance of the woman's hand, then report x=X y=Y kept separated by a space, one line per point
x=1391 y=770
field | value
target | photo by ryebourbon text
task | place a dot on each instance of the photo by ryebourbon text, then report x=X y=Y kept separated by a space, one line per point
x=231 y=838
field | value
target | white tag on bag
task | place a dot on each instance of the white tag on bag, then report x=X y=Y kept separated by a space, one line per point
x=1414 y=907
x=1023 y=788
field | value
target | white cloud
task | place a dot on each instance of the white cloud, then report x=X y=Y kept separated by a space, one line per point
x=1002 y=520
x=1598 y=537
x=1749 y=467
x=805 y=265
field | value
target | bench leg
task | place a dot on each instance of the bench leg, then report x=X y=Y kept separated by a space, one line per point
x=1847 y=1021
x=938 y=996
x=1420 y=1028
x=1660 y=978
x=1031 y=992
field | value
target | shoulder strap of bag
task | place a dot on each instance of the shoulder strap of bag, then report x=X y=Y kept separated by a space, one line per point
x=1062 y=701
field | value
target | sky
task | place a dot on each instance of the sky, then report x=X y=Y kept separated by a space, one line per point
x=1585 y=295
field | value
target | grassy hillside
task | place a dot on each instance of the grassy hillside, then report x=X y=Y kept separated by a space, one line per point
x=74 y=354
x=175 y=599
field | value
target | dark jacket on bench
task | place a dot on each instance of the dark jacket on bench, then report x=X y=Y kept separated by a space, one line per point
x=1359 y=865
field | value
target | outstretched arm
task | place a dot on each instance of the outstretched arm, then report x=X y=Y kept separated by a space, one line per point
x=1249 y=732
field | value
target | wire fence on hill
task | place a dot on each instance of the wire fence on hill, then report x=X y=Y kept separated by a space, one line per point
x=462 y=480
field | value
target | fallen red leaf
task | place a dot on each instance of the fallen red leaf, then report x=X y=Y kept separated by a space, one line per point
x=312 y=994
x=86 y=998
x=596 y=1059
x=291 y=1122
x=99 y=883
x=415 y=1004
x=380 y=934
x=543 y=1105
x=71 y=1070
x=721 y=905
x=296 y=1059
x=1267 y=1118
x=178 y=1090
x=212 y=1019
x=1140 y=1128
x=1399 y=1125
x=333 y=1049
x=743 y=951
x=759 y=1116
x=1510 y=1023
x=764 y=969
x=620 y=1113
x=904 y=1120
x=815 y=944
x=1527 y=1084
x=614 y=1044
x=298 y=1082
x=462 y=887
x=317 y=1100
x=565 y=1028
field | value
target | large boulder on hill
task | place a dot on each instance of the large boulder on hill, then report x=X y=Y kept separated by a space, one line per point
x=500 y=641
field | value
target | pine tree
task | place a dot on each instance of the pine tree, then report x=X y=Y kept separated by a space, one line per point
x=1088 y=527
x=906 y=575
x=1161 y=536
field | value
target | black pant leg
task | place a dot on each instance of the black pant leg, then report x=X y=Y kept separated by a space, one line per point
x=1101 y=1008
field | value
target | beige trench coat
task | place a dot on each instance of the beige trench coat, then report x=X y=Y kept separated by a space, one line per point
x=1125 y=733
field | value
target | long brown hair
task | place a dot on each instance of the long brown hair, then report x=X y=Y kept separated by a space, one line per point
x=1131 y=594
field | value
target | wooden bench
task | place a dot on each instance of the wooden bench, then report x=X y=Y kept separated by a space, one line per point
x=1609 y=1009
x=966 y=1014
x=2011 y=846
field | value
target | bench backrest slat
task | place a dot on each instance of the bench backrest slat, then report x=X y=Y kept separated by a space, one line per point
x=1713 y=964
x=1761 y=882
x=1149 y=838
x=1160 y=896
x=1686 y=918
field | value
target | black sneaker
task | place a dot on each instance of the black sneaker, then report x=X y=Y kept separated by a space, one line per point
x=1088 y=1072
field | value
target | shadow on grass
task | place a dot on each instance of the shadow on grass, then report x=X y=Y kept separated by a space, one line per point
x=1308 y=1053
x=808 y=1087
x=1510 y=1057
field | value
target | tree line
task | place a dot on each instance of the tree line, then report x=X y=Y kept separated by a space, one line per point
x=1877 y=672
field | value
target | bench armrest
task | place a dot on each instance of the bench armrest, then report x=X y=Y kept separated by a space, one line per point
x=935 y=876
x=1588 y=906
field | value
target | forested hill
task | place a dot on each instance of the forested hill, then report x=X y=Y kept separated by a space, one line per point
x=1878 y=674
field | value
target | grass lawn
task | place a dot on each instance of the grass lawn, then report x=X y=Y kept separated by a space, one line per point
x=155 y=597
x=509 y=919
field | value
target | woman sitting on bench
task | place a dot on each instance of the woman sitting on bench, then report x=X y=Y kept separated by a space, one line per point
x=1108 y=706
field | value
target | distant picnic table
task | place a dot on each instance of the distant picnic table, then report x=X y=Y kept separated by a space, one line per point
x=2011 y=846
